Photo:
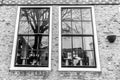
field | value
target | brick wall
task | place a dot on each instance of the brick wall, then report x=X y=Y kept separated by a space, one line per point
x=59 y=1
x=107 y=22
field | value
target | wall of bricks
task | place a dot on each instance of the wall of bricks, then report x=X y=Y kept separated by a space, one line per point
x=107 y=22
x=59 y=1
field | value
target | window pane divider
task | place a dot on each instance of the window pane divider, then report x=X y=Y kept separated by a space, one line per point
x=77 y=35
x=37 y=34
x=32 y=21
x=77 y=20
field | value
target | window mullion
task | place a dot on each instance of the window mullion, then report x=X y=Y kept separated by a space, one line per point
x=82 y=29
x=72 y=37
x=35 y=34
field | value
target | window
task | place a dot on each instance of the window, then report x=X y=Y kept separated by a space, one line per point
x=32 y=42
x=78 y=49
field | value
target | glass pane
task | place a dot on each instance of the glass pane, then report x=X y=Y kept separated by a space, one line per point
x=44 y=42
x=84 y=58
x=22 y=50
x=66 y=51
x=77 y=42
x=24 y=27
x=76 y=27
x=22 y=18
x=78 y=58
x=44 y=56
x=33 y=58
x=28 y=55
x=89 y=58
x=88 y=43
x=31 y=41
x=46 y=30
x=66 y=14
x=23 y=42
x=66 y=43
x=66 y=27
x=22 y=59
x=86 y=14
x=38 y=42
x=43 y=27
x=77 y=50
x=34 y=21
x=87 y=28
x=76 y=14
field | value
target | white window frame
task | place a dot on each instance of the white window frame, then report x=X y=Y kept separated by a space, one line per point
x=12 y=67
x=95 y=41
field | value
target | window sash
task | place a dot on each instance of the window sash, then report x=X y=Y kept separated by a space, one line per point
x=25 y=53
x=78 y=68
x=37 y=52
x=13 y=67
x=36 y=34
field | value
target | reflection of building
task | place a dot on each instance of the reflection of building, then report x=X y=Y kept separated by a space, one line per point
x=27 y=56
x=75 y=56
x=78 y=44
x=44 y=56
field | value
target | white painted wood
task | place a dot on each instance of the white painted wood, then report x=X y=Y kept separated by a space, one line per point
x=12 y=67
x=95 y=41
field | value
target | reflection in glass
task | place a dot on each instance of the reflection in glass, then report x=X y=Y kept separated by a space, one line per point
x=87 y=28
x=76 y=14
x=66 y=42
x=77 y=28
x=88 y=43
x=66 y=14
x=34 y=21
x=27 y=55
x=86 y=14
x=24 y=27
x=66 y=51
x=32 y=47
x=77 y=46
x=66 y=27
x=77 y=57
x=91 y=56
x=77 y=42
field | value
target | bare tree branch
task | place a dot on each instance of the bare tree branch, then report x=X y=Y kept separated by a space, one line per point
x=67 y=12
x=28 y=20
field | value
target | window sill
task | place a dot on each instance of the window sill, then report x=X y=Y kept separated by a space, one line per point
x=30 y=68
x=80 y=69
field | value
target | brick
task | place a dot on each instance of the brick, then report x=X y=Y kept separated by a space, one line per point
x=59 y=1
x=107 y=19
